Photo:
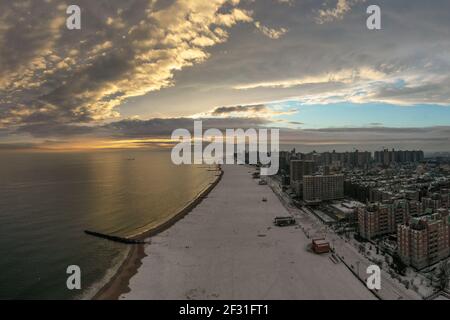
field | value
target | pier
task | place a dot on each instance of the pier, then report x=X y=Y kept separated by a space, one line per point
x=114 y=238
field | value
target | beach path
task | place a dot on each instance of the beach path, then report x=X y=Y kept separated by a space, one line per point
x=228 y=248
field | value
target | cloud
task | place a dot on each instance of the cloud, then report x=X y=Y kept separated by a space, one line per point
x=46 y=130
x=239 y=109
x=164 y=127
x=365 y=84
x=413 y=90
x=252 y=110
x=178 y=59
x=296 y=122
x=336 y=13
x=16 y=146
x=135 y=128
x=340 y=76
x=371 y=139
x=270 y=32
x=288 y=2
x=124 y=50
x=156 y=132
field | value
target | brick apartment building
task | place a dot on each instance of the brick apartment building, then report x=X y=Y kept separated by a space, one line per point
x=300 y=168
x=379 y=219
x=323 y=187
x=425 y=240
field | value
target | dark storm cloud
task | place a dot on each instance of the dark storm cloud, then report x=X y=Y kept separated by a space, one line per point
x=165 y=127
x=251 y=111
x=16 y=146
x=135 y=128
x=237 y=109
x=56 y=130
x=428 y=138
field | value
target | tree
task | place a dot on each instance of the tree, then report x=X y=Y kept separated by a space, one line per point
x=443 y=275
x=398 y=265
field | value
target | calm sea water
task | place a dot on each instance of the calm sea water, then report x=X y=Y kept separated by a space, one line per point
x=48 y=199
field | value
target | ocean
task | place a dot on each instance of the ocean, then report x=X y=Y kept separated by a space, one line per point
x=47 y=200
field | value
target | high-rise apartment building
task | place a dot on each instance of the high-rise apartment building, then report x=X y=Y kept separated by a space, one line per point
x=377 y=219
x=300 y=168
x=345 y=159
x=323 y=187
x=387 y=157
x=425 y=240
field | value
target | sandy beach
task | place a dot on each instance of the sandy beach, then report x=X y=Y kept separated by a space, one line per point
x=228 y=248
x=118 y=284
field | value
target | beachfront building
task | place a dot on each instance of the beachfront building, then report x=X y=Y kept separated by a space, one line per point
x=300 y=168
x=378 y=219
x=323 y=187
x=425 y=240
x=375 y=220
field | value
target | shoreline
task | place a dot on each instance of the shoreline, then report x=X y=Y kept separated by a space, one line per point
x=228 y=248
x=119 y=283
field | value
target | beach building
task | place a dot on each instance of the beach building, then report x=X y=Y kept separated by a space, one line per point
x=300 y=168
x=377 y=219
x=320 y=246
x=425 y=240
x=323 y=187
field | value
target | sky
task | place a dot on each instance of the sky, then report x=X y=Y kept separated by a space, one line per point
x=139 y=69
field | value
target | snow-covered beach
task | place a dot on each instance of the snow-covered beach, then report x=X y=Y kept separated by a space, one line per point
x=228 y=248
